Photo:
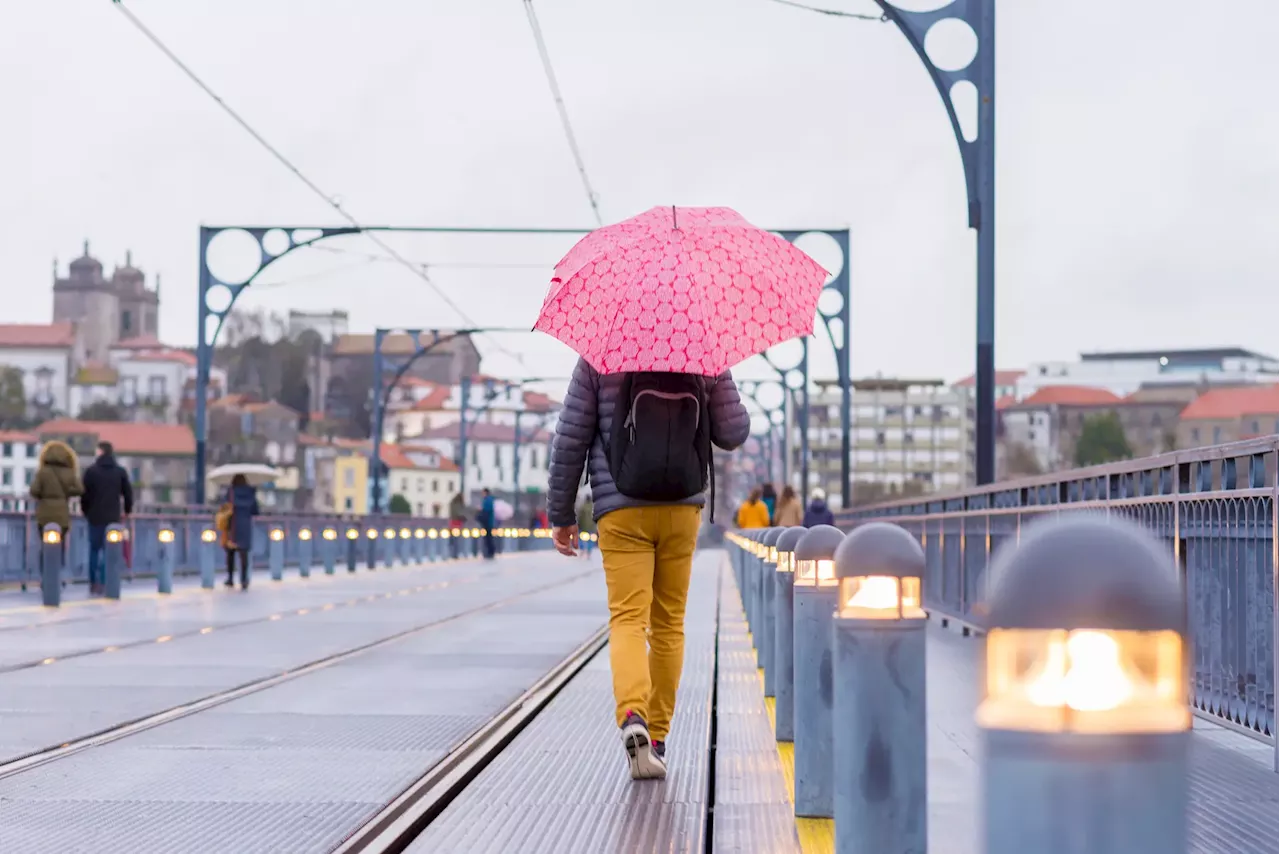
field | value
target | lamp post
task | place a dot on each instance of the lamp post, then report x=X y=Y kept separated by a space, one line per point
x=164 y=568
x=1085 y=718
x=784 y=709
x=208 y=570
x=275 y=553
x=881 y=797
x=114 y=561
x=304 y=552
x=764 y=641
x=815 y=603
x=51 y=565
x=328 y=548
x=353 y=540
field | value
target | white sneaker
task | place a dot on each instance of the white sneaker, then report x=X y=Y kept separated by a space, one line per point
x=645 y=762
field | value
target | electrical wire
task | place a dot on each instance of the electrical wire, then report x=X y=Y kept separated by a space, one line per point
x=834 y=13
x=417 y=270
x=592 y=198
x=484 y=265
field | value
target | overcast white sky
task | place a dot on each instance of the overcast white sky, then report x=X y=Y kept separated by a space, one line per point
x=1136 y=151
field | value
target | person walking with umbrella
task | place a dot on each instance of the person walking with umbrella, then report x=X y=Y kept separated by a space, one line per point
x=659 y=307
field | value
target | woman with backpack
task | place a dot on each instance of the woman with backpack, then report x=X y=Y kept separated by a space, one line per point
x=646 y=440
x=235 y=523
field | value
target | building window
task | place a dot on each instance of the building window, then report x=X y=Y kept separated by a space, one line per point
x=348 y=479
x=1255 y=428
x=908 y=438
x=533 y=458
x=30 y=472
x=6 y=477
x=435 y=510
x=475 y=456
x=404 y=484
x=419 y=508
x=497 y=455
x=155 y=388
x=435 y=485
x=347 y=502
x=1195 y=434
x=126 y=324
x=1217 y=435
x=7 y=450
x=880 y=438
x=129 y=391
x=422 y=487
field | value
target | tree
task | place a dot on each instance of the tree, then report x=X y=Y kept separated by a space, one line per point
x=1020 y=461
x=13 y=399
x=399 y=505
x=101 y=410
x=1102 y=440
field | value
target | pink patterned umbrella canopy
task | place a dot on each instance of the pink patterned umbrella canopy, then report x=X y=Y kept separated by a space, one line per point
x=693 y=290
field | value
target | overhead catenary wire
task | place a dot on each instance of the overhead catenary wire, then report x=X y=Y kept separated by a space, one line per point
x=834 y=13
x=592 y=198
x=418 y=270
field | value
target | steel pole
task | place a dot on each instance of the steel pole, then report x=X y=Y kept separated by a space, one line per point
x=51 y=557
x=815 y=792
x=985 y=375
x=804 y=421
x=784 y=709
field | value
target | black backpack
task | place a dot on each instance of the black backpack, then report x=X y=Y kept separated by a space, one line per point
x=660 y=440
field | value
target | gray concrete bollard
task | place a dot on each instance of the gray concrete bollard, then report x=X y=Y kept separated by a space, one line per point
x=880 y=769
x=784 y=635
x=329 y=549
x=371 y=557
x=769 y=568
x=353 y=547
x=166 y=559
x=113 y=561
x=275 y=553
x=305 y=547
x=51 y=565
x=1085 y=718
x=208 y=549
x=815 y=603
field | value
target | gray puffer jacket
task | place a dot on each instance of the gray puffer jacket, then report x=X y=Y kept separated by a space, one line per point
x=587 y=418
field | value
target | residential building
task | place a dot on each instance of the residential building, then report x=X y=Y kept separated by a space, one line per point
x=246 y=431
x=143 y=381
x=160 y=458
x=322 y=475
x=426 y=479
x=1123 y=373
x=416 y=406
x=1048 y=424
x=490 y=457
x=908 y=436
x=19 y=455
x=104 y=310
x=1006 y=385
x=1229 y=415
x=351 y=484
x=351 y=366
x=44 y=354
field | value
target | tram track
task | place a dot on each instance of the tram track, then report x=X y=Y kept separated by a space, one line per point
x=118 y=731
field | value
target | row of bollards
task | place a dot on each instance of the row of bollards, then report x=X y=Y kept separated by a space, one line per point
x=1084 y=715
x=386 y=546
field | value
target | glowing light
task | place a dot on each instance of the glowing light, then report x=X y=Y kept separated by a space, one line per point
x=372 y=534
x=405 y=533
x=1084 y=674
x=164 y=638
x=330 y=534
x=277 y=534
x=208 y=535
x=165 y=535
x=206 y=630
x=49 y=661
x=114 y=535
x=52 y=537
x=304 y=534
x=352 y=533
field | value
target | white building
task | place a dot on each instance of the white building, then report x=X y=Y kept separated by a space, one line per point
x=490 y=456
x=19 y=454
x=45 y=355
x=418 y=406
x=1124 y=373
x=423 y=475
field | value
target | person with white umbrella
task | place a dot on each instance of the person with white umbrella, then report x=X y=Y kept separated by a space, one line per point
x=235 y=521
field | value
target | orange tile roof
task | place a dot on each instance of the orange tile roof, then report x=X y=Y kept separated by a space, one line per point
x=18 y=436
x=433 y=401
x=1003 y=378
x=1006 y=401
x=1230 y=403
x=37 y=335
x=140 y=342
x=397 y=457
x=165 y=354
x=128 y=438
x=1070 y=395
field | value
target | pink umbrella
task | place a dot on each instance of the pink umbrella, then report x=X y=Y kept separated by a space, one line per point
x=694 y=290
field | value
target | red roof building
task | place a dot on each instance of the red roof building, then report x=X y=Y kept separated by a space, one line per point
x=1229 y=415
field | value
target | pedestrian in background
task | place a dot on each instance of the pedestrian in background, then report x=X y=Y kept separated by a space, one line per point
x=753 y=513
x=789 y=512
x=586 y=522
x=770 y=499
x=488 y=518
x=243 y=499
x=107 y=500
x=646 y=440
x=457 y=519
x=818 y=513
x=56 y=482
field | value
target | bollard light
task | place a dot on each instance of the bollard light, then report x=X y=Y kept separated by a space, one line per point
x=208 y=535
x=420 y=533
x=353 y=539
x=115 y=535
x=276 y=535
x=815 y=597
x=878 y=711
x=330 y=534
x=113 y=561
x=466 y=532
x=373 y=533
x=433 y=533
x=165 y=535
x=207 y=562
x=275 y=553
x=167 y=559
x=304 y=534
x=304 y=552
x=784 y=635
x=764 y=642
x=405 y=533
x=1085 y=716
x=51 y=559
x=352 y=534
x=328 y=549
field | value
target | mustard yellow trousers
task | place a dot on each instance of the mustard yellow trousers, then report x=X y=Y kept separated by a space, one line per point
x=648 y=554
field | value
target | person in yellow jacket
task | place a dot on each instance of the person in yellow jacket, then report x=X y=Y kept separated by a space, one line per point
x=753 y=513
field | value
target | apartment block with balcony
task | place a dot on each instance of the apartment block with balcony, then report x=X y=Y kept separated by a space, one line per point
x=909 y=436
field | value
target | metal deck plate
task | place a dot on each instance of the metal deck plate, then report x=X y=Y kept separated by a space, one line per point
x=562 y=785
x=297 y=767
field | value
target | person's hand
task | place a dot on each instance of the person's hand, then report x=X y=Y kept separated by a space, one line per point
x=566 y=540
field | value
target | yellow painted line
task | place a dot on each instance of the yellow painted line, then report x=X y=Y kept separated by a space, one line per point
x=817 y=835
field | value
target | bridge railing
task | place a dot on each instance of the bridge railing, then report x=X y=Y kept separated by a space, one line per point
x=1214 y=507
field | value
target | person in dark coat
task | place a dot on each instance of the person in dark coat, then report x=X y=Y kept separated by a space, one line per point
x=108 y=500
x=818 y=513
x=243 y=499
x=647 y=549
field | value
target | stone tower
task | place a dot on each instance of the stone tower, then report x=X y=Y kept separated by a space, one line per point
x=105 y=311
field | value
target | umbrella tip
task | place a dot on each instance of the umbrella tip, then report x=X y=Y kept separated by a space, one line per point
x=674 y=222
